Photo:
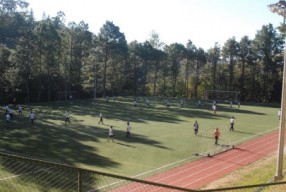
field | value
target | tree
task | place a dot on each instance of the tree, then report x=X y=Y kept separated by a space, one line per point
x=23 y=56
x=190 y=58
x=200 y=61
x=48 y=43
x=176 y=52
x=145 y=53
x=11 y=6
x=246 y=58
x=158 y=57
x=230 y=52
x=213 y=58
x=110 y=40
x=267 y=44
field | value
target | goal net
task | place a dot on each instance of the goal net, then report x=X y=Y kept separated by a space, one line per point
x=66 y=95
x=221 y=96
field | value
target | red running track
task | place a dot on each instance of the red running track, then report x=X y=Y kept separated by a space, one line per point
x=197 y=174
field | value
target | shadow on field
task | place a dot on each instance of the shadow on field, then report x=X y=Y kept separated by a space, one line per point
x=79 y=143
x=123 y=144
x=53 y=142
x=120 y=137
x=244 y=132
x=50 y=139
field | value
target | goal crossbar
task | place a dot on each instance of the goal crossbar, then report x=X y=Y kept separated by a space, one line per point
x=221 y=95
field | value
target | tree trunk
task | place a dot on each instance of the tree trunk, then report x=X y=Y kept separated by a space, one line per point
x=196 y=80
x=135 y=77
x=214 y=75
x=94 y=81
x=187 y=79
x=155 y=78
x=104 y=70
x=28 y=92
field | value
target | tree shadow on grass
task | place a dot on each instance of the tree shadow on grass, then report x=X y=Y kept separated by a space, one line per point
x=53 y=143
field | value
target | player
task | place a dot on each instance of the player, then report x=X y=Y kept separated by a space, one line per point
x=110 y=134
x=71 y=99
x=32 y=117
x=168 y=104
x=20 y=110
x=214 y=108
x=216 y=135
x=135 y=103
x=231 y=123
x=196 y=127
x=10 y=112
x=8 y=118
x=128 y=131
x=182 y=103
x=67 y=115
x=279 y=114
x=100 y=119
x=230 y=104
x=6 y=108
x=147 y=102
x=199 y=103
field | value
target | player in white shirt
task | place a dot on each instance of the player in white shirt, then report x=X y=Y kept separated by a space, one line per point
x=8 y=118
x=199 y=103
x=6 y=108
x=128 y=131
x=168 y=104
x=279 y=114
x=110 y=134
x=10 y=112
x=20 y=109
x=231 y=122
x=147 y=102
x=214 y=109
x=182 y=102
x=67 y=115
x=100 y=119
x=32 y=117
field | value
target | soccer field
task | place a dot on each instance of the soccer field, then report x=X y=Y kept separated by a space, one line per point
x=161 y=137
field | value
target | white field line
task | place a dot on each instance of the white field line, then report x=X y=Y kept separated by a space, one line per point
x=182 y=160
x=144 y=173
x=14 y=176
x=208 y=167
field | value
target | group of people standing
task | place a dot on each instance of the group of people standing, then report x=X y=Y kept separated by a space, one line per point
x=9 y=114
x=111 y=131
x=216 y=132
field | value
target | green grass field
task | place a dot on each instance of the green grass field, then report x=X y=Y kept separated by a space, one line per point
x=160 y=137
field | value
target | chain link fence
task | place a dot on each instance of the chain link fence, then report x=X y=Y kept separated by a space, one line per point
x=25 y=174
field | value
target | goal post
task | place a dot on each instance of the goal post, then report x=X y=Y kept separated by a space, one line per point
x=66 y=95
x=221 y=96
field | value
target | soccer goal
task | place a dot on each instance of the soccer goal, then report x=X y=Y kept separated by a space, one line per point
x=66 y=95
x=221 y=96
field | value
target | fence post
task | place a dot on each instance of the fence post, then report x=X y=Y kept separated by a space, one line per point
x=79 y=180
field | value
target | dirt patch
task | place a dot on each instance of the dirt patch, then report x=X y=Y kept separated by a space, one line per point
x=236 y=176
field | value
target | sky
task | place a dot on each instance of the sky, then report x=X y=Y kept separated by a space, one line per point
x=204 y=22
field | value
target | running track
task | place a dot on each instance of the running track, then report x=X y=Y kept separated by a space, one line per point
x=197 y=174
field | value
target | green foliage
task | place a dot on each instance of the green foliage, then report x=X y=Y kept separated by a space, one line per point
x=40 y=60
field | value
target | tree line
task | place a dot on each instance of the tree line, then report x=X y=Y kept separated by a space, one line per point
x=47 y=60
